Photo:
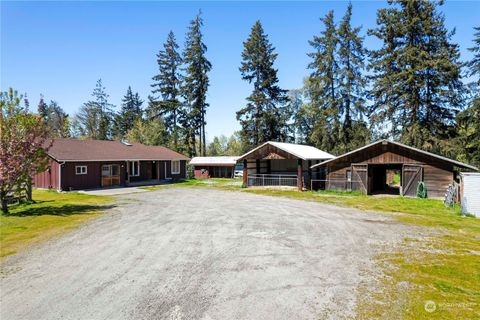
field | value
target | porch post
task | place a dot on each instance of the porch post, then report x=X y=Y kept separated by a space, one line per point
x=245 y=173
x=128 y=171
x=299 y=175
x=158 y=169
x=309 y=179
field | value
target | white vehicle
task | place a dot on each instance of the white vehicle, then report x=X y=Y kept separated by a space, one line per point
x=238 y=173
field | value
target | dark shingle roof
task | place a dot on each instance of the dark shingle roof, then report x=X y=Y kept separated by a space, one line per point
x=102 y=150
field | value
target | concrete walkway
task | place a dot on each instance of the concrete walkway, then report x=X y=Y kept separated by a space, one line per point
x=113 y=191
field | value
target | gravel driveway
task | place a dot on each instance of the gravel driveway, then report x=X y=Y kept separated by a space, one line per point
x=179 y=253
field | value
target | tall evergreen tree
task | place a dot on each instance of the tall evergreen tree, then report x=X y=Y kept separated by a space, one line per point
x=265 y=115
x=57 y=121
x=42 y=107
x=195 y=85
x=468 y=121
x=130 y=111
x=95 y=117
x=416 y=74
x=474 y=64
x=167 y=84
x=323 y=86
x=352 y=83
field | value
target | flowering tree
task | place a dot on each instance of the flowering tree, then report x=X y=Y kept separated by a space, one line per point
x=23 y=138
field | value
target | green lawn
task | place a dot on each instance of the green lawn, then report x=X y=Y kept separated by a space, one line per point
x=52 y=214
x=443 y=268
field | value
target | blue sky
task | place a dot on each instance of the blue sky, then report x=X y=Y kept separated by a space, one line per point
x=60 y=49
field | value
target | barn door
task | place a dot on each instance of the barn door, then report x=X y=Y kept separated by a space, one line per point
x=412 y=175
x=360 y=177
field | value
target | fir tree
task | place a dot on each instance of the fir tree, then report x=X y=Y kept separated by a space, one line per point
x=57 y=121
x=105 y=110
x=130 y=111
x=352 y=83
x=468 y=121
x=195 y=85
x=167 y=84
x=265 y=115
x=95 y=117
x=323 y=86
x=474 y=64
x=416 y=74
x=42 y=107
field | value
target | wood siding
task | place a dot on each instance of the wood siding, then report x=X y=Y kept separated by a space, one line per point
x=47 y=179
x=93 y=178
x=437 y=174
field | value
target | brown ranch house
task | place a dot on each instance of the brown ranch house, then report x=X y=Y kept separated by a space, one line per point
x=372 y=168
x=87 y=164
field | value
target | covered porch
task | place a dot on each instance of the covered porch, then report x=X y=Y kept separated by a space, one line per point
x=276 y=164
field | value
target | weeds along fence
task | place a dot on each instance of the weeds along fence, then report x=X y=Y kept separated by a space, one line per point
x=272 y=180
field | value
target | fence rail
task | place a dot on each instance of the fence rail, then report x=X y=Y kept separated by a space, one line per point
x=272 y=180
x=344 y=184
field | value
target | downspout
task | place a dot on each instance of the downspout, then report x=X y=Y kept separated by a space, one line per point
x=60 y=164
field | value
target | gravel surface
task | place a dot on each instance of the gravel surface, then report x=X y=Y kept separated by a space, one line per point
x=181 y=253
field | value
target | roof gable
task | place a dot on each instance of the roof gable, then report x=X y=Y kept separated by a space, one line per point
x=373 y=147
x=283 y=150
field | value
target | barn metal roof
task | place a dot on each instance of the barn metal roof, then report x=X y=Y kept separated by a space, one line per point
x=454 y=162
x=221 y=160
x=103 y=150
x=298 y=150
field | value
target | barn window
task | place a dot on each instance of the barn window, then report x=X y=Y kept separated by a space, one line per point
x=175 y=167
x=80 y=170
x=134 y=168
x=349 y=175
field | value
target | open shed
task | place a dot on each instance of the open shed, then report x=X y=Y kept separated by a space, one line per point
x=281 y=164
x=387 y=167
x=214 y=167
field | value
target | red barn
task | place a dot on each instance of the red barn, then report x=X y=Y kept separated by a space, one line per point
x=85 y=164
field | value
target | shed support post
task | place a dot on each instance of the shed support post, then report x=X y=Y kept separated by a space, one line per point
x=309 y=174
x=299 y=175
x=245 y=173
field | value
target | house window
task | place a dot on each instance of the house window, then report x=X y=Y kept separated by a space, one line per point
x=80 y=170
x=175 y=167
x=134 y=168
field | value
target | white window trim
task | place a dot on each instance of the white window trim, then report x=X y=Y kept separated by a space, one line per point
x=176 y=172
x=81 y=170
x=134 y=174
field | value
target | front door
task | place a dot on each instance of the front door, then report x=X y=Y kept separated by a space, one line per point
x=110 y=175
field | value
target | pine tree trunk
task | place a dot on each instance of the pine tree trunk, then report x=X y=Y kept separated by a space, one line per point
x=175 y=137
x=204 y=150
x=200 y=139
x=194 y=147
